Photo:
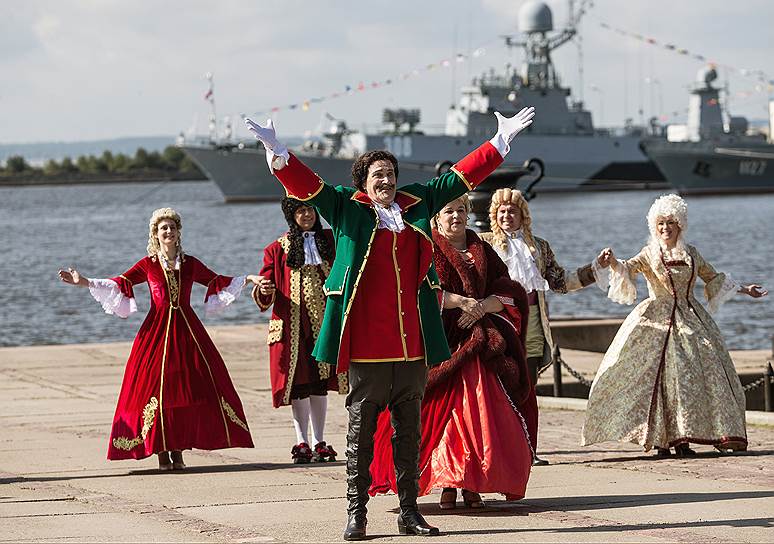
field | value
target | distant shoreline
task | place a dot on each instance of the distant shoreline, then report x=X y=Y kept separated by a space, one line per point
x=90 y=179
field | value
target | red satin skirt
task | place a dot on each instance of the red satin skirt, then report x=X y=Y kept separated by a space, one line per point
x=472 y=438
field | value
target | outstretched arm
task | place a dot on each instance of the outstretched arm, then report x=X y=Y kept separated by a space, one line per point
x=116 y=295
x=300 y=182
x=474 y=168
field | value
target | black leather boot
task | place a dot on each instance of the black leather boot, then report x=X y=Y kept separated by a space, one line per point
x=360 y=452
x=411 y=522
x=356 y=527
x=405 y=455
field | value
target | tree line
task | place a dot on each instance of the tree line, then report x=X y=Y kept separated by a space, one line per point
x=171 y=161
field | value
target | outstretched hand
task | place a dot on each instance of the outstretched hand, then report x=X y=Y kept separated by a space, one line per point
x=72 y=277
x=511 y=126
x=754 y=290
x=605 y=258
x=267 y=135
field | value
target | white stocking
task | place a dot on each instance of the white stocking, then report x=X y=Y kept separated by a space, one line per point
x=319 y=409
x=301 y=419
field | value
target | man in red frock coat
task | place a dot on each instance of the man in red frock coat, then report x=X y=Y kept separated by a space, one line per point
x=294 y=269
x=382 y=317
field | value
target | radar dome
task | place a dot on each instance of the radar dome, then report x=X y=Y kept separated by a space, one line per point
x=535 y=17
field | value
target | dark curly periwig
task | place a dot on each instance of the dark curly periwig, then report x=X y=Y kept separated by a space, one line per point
x=364 y=161
x=296 y=238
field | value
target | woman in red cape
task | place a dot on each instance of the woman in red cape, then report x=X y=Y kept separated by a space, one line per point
x=473 y=436
x=176 y=393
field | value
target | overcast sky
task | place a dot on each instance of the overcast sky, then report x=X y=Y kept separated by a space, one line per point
x=91 y=69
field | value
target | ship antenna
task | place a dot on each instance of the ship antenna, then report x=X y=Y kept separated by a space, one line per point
x=213 y=119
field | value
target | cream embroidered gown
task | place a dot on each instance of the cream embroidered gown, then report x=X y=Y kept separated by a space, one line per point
x=667 y=378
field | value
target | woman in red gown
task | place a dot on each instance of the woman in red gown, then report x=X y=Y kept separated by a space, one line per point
x=176 y=393
x=473 y=436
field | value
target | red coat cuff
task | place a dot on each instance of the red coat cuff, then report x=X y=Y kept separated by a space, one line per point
x=124 y=285
x=478 y=164
x=299 y=180
x=263 y=302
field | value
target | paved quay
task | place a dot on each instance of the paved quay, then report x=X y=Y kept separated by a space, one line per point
x=56 y=406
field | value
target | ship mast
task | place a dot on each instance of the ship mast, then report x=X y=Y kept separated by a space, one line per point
x=212 y=124
x=536 y=21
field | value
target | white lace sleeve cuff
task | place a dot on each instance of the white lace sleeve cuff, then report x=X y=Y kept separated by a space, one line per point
x=507 y=301
x=601 y=275
x=216 y=303
x=113 y=301
x=727 y=290
x=622 y=290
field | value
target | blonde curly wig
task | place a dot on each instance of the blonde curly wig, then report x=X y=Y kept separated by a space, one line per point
x=515 y=197
x=668 y=206
x=153 y=230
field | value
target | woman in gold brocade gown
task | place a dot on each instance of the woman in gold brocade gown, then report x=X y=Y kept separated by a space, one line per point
x=667 y=379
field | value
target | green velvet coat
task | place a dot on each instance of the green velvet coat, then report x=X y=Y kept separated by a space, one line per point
x=354 y=223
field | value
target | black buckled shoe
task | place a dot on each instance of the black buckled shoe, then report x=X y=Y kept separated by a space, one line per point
x=411 y=522
x=356 y=527
x=684 y=450
x=538 y=462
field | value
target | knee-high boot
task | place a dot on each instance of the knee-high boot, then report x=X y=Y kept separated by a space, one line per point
x=360 y=452
x=405 y=451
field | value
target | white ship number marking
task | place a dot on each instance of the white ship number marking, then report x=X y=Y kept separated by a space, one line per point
x=400 y=146
x=752 y=168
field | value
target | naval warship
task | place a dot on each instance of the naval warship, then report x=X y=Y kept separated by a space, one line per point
x=713 y=153
x=574 y=153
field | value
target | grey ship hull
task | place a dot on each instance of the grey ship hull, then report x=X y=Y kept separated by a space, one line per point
x=571 y=163
x=715 y=167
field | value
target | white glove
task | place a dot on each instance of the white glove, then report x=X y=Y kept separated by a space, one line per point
x=277 y=155
x=509 y=127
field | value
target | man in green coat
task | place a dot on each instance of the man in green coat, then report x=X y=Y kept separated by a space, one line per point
x=382 y=318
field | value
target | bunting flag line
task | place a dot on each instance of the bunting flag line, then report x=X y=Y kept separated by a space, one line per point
x=362 y=86
x=758 y=75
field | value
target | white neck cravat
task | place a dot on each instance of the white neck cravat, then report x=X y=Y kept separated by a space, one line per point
x=390 y=217
x=521 y=264
x=311 y=255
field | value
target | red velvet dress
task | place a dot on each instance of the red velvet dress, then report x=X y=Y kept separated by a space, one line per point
x=176 y=393
x=473 y=436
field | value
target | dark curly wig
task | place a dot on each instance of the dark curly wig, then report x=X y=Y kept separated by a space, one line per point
x=364 y=161
x=296 y=238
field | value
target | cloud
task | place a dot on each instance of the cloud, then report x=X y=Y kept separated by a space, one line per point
x=87 y=69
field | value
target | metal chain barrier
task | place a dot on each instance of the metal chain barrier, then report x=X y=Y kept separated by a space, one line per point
x=577 y=375
x=757 y=383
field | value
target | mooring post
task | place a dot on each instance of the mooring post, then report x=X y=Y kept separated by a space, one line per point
x=557 y=372
x=768 y=388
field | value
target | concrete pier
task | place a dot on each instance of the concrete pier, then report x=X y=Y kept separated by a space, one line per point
x=57 y=402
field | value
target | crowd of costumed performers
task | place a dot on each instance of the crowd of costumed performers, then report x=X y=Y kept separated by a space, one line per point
x=435 y=333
